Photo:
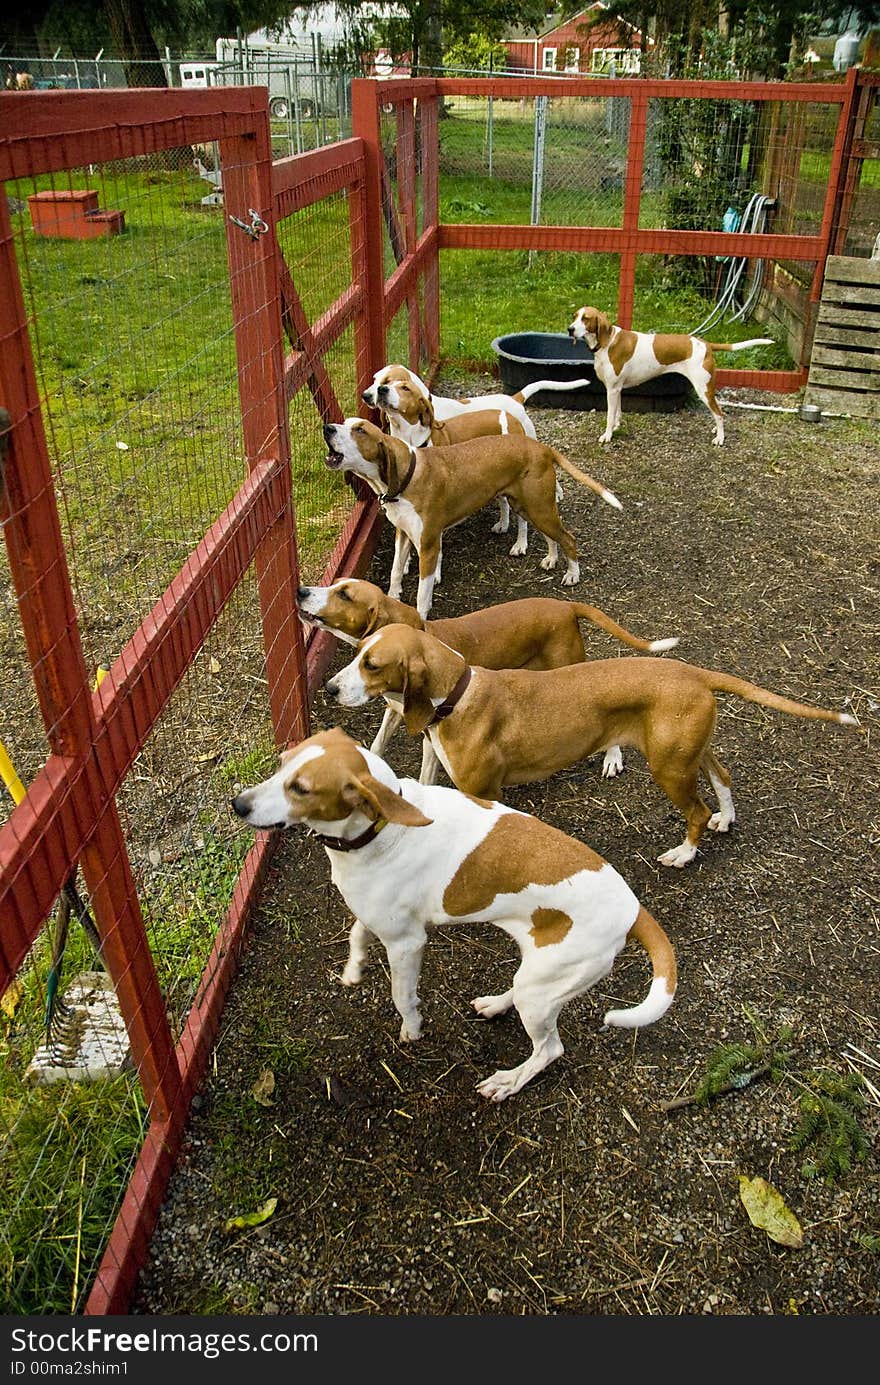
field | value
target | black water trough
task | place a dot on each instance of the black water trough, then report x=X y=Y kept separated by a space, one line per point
x=524 y=357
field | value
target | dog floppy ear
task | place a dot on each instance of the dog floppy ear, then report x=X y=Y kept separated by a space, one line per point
x=418 y=709
x=426 y=413
x=386 y=462
x=378 y=801
x=373 y=617
x=603 y=328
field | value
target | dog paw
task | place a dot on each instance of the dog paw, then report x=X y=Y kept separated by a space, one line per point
x=612 y=765
x=678 y=856
x=571 y=579
x=499 y=1086
x=411 y=1030
x=549 y=563
x=518 y=550
x=490 y=1005
x=604 y=437
x=351 y=975
x=719 y=823
x=501 y=527
x=718 y=442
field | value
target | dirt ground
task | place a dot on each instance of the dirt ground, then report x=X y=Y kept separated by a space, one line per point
x=399 y=1189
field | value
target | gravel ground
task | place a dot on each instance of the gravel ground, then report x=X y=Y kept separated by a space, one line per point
x=399 y=1190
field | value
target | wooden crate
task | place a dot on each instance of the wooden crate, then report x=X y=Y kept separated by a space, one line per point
x=845 y=362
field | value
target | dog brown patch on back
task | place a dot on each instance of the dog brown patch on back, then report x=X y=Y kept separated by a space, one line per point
x=480 y=802
x=519 y=851
x=621 y=350
x=669 y=350
x=549 y=926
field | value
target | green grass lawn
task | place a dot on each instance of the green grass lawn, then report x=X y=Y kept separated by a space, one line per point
x=486 y=178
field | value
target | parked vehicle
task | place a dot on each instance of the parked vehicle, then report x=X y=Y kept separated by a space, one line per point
x=297 y=85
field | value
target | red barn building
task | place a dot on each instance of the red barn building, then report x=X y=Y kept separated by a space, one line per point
x=582 y=44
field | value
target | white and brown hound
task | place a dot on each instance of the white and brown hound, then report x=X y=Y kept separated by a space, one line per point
x=491 y=727
x=424 y=419
x=535 y=632
x=424 y=492
x=407 y=856
x=398 y=392
x=622 y=359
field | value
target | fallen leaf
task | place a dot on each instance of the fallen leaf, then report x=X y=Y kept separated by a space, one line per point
x=263 y=1088
x=252 y=1218
x=214 y=664
x=123 y=446
x=768 y=1211
x=10 y=998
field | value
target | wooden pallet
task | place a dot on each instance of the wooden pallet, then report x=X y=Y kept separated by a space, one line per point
x=845 y=362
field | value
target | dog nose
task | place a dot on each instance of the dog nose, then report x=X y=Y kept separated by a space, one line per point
x=241 y=805
x=302 y=593
x=328 y=430
x=383 y=389
x=332 y=689
x=571 y=331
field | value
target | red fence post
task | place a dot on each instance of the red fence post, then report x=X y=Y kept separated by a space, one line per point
x=365 y=123
x=429 y=115
x=246 y=163
x=632 y=201
x=835 y=177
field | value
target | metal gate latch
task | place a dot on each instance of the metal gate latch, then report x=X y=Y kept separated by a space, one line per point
x=257 y=227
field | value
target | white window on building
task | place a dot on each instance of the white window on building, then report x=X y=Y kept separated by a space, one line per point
x=622 y=62
x=572 y=59
x=549 y=60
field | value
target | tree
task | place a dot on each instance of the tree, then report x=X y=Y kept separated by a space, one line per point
x=421 y=29
x=765 y=36
x=476 y=52
x=133 y=31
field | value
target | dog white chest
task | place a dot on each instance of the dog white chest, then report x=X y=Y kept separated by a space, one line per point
x=433 y=734
x=404 y=517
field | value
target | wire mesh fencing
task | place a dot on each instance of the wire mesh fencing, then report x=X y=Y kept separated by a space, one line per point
x=151 y=659
x=718 y=163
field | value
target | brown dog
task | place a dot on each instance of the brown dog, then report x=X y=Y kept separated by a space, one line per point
x=413 y=419
x=492 y=727
x=537 y=632
x=426 y=491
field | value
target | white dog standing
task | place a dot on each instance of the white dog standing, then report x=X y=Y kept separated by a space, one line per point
x=406 y=856
x=622 y=359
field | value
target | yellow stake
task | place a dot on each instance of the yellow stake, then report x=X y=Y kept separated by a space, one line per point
x=9 y=776
x=7 y=769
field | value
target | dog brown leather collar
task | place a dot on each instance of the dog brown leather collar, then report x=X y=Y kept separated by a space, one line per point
x=452 y=700
x=353 y=843
x=406 y=480
x=368 y=835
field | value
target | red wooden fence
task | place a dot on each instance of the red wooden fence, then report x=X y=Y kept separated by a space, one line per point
x=69 y=815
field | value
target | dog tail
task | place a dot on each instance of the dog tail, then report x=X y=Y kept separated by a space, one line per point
x=597 y=617
x=608 y=496
x=752 y=692
x=537 y=385
x=647 y=931
x=739 y=345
